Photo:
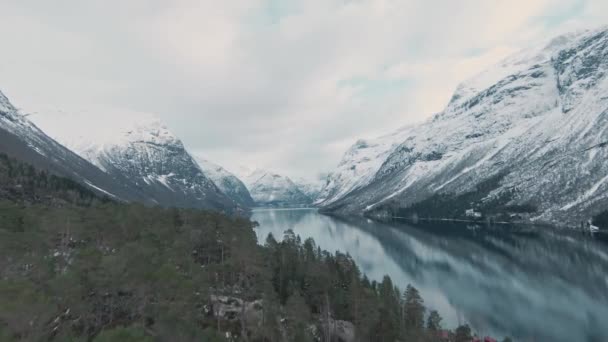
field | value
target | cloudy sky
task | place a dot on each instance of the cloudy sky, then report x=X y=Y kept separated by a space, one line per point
x=280 y=84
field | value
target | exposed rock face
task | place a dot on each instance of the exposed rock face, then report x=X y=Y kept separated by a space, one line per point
x=156 y=161
x=22 y=140
x=343 y=331
x=311 y=187
x=150 y=159
x=143 y=162
x=232 y=309
x=535 y=126
x=227 y=182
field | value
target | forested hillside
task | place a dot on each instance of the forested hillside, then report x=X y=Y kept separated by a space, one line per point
x=22 y=183
x=77 y=268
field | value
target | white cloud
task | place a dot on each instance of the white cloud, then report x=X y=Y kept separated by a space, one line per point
x=244 y=81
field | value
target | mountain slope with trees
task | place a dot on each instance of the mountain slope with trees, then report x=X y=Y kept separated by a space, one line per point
x=78 y=267
x=21 y=139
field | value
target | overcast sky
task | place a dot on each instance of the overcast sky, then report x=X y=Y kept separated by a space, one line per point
x=281 y=84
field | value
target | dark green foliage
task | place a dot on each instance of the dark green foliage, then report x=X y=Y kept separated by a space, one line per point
x=147 y=274
x=10 y=217
x=90 y=270
x=463 y=334
x=132 y=334
x=519 y=208
x=79 y=271
x=413 y=311
x=298 y=317
x=388 y=326
x=601 y=220
x=433 y=322
x=450 y=206
x=20 y=182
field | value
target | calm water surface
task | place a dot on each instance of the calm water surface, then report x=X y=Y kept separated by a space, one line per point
x=531 y=285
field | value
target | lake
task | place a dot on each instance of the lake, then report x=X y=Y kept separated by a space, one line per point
x=533 y=284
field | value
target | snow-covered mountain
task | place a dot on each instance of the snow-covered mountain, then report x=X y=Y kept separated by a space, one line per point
x=311 y=187
x=358 y=166
x=227 y=182
x=151 y=158
x=531 y=132
x=21 y=139
x=272 y=190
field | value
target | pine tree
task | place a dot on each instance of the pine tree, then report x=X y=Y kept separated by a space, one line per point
x=413 y=309
x=463 y=334
x=297 y=314
x=433 y=323
x=388 y=325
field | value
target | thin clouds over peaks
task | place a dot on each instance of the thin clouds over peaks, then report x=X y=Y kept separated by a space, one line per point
x=283 y=85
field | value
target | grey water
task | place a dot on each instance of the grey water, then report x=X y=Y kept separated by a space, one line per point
x=532 y=285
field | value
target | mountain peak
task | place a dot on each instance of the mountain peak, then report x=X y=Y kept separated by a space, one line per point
x=144 y=151
x=227 y=182
x=152 y=131
x=529 y=132
x=522 y=61
x=272 y=189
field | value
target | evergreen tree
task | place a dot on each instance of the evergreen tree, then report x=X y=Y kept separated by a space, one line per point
x=100 y=271
x=463 y=334
x=123 y=334
x=413 y=313
x=388 y=320
x=433 y=323
x=298 y=315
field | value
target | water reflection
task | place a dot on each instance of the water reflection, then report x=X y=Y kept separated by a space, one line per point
x=535 y=285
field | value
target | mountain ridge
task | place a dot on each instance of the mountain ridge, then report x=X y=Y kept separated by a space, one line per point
x=21 y=139
x=269 y=189
x=227 y=182
x=153 y=160
x=529 y=119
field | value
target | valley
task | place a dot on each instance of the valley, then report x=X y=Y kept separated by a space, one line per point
x=489 y=218
x=500 y=280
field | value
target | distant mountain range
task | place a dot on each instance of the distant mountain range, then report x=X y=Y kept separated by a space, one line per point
x=156 y=161
x=228 y=183
x=269 y=189
x=152 y=165
x=527 y=138
x=21 y=139
x=311 y=187
x=144 y=163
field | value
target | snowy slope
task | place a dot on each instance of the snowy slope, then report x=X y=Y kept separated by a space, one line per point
x=227 y=182
x=536 y=123
x=21 y=139
x=271 y=189
x=150 y=157
x=358 y=166
x=311 y=187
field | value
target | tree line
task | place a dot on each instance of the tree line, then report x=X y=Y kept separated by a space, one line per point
x=96 y=270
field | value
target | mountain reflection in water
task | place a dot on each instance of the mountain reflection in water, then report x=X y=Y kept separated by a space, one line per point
x=537 y=285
